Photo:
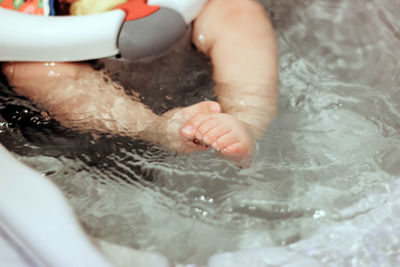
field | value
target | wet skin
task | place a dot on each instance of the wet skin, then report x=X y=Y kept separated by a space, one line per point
x=240 y=41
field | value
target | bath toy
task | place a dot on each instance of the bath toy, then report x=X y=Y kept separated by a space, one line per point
x=136 y=29
x=34 y=7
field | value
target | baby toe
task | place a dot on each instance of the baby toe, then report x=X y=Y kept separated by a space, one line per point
x=239 y=153
x=191 y=128
x=208 y=107
x=238 y=148
x=214 y=107
x=218 y=137
x=207 y=126
x=198 y=119
x=188 y=131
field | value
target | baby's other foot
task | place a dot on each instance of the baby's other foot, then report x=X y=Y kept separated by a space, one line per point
x=223 y=132
x=178 y=117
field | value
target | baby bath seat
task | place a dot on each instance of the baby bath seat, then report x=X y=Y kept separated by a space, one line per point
x=136 y=29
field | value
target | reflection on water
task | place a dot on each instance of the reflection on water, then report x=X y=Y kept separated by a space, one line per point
x=326 y=169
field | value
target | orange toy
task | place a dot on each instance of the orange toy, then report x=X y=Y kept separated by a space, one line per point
x=34 y=7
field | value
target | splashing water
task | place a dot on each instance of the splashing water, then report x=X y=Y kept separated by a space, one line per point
x=326 y=169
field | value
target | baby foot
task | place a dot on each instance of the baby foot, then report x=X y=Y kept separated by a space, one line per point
x=175 y=118
x=223 y=132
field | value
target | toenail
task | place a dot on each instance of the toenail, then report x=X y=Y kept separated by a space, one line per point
x=215 y=107
x=188 y=130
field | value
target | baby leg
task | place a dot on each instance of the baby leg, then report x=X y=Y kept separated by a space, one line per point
x=86 y=100
x=78 y=96
x=239 y=38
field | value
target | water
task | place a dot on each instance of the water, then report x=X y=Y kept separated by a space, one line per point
x=326 y=169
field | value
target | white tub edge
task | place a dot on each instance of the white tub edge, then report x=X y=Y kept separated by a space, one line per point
x=27 y=199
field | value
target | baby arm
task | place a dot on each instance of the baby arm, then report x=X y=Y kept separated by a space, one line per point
x=238 y=37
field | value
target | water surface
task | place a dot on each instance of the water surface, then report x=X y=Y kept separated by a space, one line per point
x=326 y=169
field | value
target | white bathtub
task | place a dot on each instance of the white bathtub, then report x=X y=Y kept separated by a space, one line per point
x=38 y=227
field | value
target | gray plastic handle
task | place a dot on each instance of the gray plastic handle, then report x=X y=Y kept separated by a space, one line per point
x=150 y=35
